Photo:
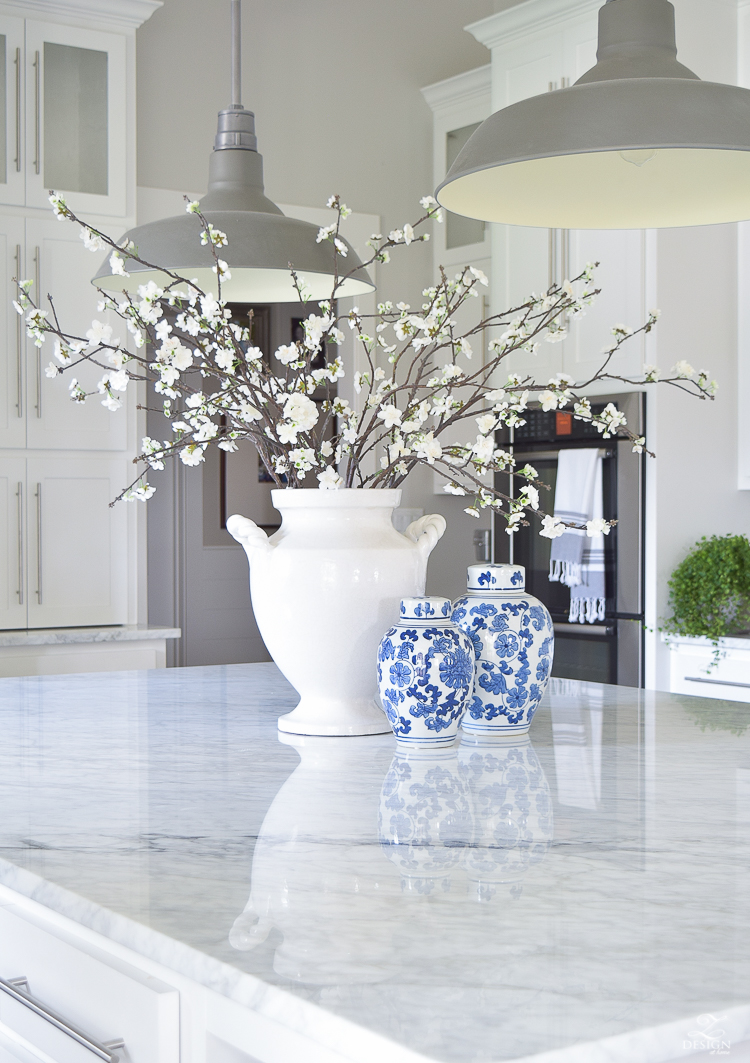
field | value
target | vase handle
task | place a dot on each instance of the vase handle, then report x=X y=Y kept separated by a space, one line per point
x=426 y=532
x=248 y=535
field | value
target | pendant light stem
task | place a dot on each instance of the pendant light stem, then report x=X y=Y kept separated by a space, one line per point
x=236 y=54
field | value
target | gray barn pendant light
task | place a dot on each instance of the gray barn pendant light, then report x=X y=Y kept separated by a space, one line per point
x=262 y=242
x=638 y=142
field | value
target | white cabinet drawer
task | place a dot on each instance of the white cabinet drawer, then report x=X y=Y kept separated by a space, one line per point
x=694 y=673
x=100 y=995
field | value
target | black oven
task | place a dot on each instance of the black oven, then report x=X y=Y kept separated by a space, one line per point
x=608 y=651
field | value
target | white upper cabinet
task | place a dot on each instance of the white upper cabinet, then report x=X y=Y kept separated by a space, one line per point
x=75 y=117
x=459 y=105
x=12 y=86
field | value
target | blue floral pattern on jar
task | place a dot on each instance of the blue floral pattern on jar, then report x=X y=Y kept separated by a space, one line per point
x=425 y=673
x=513 y=639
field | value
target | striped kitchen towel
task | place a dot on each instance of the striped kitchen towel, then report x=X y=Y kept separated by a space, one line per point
x=575 y=559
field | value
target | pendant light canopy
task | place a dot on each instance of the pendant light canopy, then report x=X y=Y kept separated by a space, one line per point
x=638 y=142
x=262 y=242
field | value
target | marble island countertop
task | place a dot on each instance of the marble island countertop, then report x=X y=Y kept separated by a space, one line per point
x=580 y=898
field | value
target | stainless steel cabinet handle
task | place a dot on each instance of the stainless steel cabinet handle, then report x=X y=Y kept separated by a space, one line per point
x=19 y=343
x=104 y=1051
x=716 y=682
x=37 y=113
x=19 y=496
x=38 y=290
x=39 y=543
x=17 y=61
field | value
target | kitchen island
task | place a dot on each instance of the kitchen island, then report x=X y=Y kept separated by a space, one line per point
x=176 y=873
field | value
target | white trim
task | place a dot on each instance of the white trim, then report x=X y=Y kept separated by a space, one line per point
x=533 y=15
x=459 y=90
x=743 y=356
x=125 y=14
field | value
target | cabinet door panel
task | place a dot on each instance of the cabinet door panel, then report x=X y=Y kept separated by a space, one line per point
x=527 y=68
x=12 y=336
x=620 y=254
x=520 y=266
x=62 y=267
x=76 y=123
x=13 y=596
x=77 y=543
x=12 y=161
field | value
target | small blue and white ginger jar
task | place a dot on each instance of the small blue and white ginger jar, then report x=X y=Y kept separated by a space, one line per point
x=514 y=642
x=425 y=673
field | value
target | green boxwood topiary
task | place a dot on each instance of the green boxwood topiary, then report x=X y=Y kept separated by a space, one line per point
x=709 y=592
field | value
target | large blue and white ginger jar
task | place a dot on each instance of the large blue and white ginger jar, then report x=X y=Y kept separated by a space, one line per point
x=513 y=640
x=425 y=673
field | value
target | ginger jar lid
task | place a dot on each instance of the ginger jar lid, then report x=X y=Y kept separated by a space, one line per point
x=426 y=608
x=496 y=578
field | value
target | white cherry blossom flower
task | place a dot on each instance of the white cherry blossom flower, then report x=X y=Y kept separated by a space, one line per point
x=486 y=423
x=301 y=411
x=117 y=264
x=390 y=416
x=552 y=528
x=428 y=448
x=329 y=479
x=683 y=369
x=597 y=527
x=91 y=240
x=99 y=333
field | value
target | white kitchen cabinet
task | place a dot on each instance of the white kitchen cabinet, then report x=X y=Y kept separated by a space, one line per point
x=77 y=544
x=13 y=595
x=103 y=997
x=75 y=117
x=459 y=104
x=699 y=668
x=59 y=264
x=12 y=335
x=67 y=122
x=12 y=140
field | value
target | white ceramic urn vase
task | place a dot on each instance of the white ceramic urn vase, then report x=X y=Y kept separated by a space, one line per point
x=324 y=588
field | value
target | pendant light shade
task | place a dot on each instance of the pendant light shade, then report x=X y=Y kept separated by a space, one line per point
x=638 y=142
x=262 y=243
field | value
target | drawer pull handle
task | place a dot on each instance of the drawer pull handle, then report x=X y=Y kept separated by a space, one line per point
x=716 y=682
x=18 y=990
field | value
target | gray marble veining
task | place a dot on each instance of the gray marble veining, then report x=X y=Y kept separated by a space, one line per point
x=580 y=898
x=68 y=636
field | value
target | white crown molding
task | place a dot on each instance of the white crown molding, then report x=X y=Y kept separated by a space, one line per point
x=506 y=26
x=124 y=14
x=460 y=89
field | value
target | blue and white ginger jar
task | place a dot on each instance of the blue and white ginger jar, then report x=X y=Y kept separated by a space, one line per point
x=514 y=641
x=425 y=673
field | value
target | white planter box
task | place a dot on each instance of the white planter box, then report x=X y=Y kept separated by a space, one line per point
x=692 y=669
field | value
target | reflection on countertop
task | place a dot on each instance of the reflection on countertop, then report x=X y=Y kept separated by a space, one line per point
x=584 y=890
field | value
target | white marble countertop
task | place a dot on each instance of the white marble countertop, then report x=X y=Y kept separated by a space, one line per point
x=581 y=899
x=66 y=636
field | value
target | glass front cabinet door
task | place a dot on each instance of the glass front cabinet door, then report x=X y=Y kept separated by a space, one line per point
x=76 y=127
